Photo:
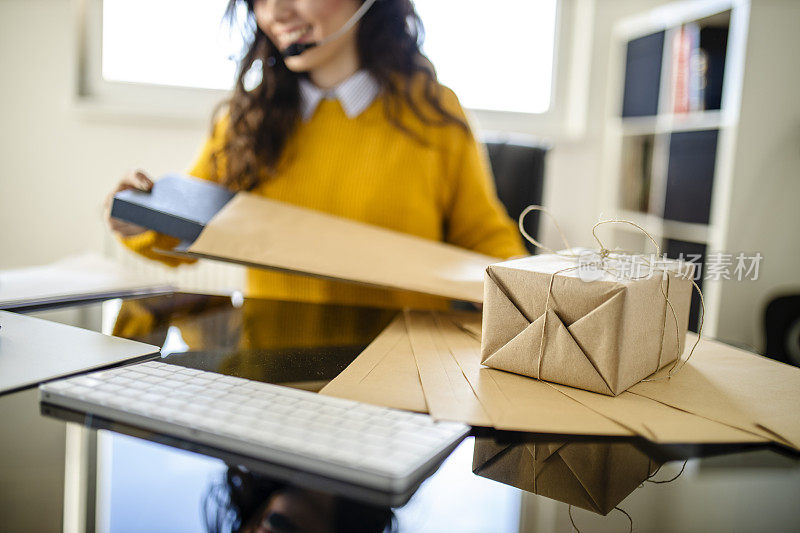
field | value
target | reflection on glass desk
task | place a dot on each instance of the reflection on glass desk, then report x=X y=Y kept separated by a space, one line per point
x=65 y=471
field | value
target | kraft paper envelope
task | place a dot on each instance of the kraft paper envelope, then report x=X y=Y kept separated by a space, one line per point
x=736 y=388
x=471 y=325
x=383 y=374
x=386 y=374
x=519 y=403
x=593 y=476
x=652 y=420
x=447 y=392
x=603 y=335
x=265 y=233
x=658 y=422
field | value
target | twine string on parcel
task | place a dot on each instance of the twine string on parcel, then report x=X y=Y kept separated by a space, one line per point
x=620 y=509
x=610 y=262
x=569 y=506
x=658 y=482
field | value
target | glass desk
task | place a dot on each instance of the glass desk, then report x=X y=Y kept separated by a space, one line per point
x=62 y=471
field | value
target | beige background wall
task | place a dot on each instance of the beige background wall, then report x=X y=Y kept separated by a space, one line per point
x=764 y=215
x=57 y=163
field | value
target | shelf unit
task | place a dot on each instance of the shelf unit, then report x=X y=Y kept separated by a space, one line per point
x=671 y=172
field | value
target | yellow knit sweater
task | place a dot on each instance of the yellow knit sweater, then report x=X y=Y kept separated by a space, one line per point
x=366 y=169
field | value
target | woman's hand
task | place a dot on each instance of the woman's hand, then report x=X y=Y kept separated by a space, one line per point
x=135 y=180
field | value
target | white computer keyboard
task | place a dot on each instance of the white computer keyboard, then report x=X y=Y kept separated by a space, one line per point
x=371 y=446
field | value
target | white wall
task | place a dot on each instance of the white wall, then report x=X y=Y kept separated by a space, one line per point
x=766 y=176
x=57 y=166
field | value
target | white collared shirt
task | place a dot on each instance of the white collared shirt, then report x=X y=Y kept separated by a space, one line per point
x=355 y=94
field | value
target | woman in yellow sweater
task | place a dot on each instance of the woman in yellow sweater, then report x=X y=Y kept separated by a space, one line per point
x=358 y=127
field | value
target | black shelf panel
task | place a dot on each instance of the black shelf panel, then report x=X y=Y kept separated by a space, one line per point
x=690 y=176
x=689 y=251
x=714 y=41
x=643 y=75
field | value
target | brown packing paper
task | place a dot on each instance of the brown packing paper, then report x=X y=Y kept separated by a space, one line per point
x=448 y=394
x=603 y=336
x=658 y=422
x=736 y=388
x=468 y=324
x=593 y=476
x=260 y=232
x=518 y=403
x=652 y=420
x=384 y=374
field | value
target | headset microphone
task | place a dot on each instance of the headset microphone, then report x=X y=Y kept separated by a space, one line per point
x=298 y=48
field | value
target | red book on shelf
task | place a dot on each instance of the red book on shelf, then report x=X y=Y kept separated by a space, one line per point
x=681 y=50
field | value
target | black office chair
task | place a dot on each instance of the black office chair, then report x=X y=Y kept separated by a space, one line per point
x=782 y=328
x=519 y=177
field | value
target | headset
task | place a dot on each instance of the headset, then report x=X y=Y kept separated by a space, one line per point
x=298 y=48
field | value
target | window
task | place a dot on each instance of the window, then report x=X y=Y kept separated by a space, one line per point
x=495 y=55
x=169 y=42
x=476 y=46
x=513 y=62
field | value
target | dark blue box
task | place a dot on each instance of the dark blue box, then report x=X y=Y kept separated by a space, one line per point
x=178 y=206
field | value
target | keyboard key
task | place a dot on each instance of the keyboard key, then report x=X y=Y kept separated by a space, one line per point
x=86 y=381
x=172 y=402
x=137 y=384
x=59 y=386
x=285 y=400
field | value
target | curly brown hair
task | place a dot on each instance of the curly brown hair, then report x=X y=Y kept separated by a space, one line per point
x=261 y=119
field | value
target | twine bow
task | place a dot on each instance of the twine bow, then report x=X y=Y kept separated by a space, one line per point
x=609 y=261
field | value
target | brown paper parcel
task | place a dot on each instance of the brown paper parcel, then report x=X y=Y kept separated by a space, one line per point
x=603 y=335
x=593 y=476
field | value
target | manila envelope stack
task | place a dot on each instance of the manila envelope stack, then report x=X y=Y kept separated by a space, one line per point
x=431 y=362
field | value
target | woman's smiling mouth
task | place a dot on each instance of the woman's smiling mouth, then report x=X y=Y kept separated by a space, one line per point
x=295 y=36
